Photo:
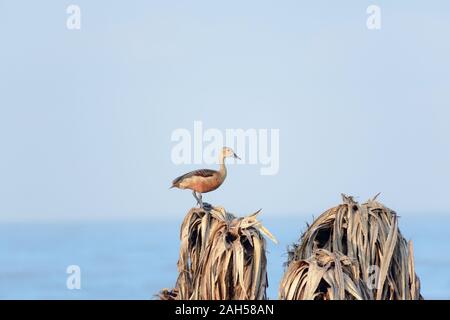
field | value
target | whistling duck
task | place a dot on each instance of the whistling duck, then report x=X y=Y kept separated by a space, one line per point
x=205 y=180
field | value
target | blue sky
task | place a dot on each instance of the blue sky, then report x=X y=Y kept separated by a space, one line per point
x=86 y=116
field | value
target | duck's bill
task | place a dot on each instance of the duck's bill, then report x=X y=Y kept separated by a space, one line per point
x=236 y=156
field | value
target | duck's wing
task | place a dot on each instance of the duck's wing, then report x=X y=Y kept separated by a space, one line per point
x=196 y=173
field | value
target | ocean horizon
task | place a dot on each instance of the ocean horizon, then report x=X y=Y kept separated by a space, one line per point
x=136 y=259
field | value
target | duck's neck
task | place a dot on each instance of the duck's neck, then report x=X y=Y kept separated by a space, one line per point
x=223 y=168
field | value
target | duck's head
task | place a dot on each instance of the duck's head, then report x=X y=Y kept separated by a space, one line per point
x=229 y=153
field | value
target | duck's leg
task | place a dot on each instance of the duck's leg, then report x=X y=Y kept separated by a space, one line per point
x=196 y=198
x=200 y=200
x=204 y=205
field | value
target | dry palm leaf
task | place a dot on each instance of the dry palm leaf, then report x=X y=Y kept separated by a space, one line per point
x=221 y=257
x=352 y=251
x=325 y=275
x=166 y=294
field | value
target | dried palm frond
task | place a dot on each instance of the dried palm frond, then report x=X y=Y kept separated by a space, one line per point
x=221 y=257
x=352 y=251
x=325 y=275
x=166 y=294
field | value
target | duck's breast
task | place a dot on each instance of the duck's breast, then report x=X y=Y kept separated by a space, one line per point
x=203 y=185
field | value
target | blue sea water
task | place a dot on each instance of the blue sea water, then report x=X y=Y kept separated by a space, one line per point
x=134 y=260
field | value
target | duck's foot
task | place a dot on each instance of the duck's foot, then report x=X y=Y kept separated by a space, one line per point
x=206 y=206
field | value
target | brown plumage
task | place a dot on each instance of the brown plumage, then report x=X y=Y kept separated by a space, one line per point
x=205 y=180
